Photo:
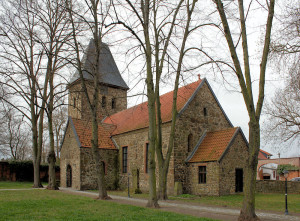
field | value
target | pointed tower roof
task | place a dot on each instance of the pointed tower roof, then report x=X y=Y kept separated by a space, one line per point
x=107 y=69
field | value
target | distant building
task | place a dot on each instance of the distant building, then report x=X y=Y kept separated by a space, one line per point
x=267 y=168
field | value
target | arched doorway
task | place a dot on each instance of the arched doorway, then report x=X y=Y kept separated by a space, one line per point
x=69 y=176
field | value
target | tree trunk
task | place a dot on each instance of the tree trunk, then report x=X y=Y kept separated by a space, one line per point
x=248 y=208
x=36 y=154
x=98 y=163
x=162 y=186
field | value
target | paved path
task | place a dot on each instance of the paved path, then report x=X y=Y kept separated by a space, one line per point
x=193 y=209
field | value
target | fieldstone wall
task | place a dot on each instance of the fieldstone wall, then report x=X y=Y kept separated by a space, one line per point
x=193 y=121
x=211 y=187
x=70 y=155
x=88 y=168
x=136 y=142
x=81 y=109
x=277 y=186
x=234 y=158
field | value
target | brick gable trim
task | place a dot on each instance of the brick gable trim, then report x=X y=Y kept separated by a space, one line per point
x=71 y=124
x=213 y=146
x=239 y=130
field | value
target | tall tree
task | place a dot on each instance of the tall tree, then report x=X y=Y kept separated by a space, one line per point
x=94 y=19
x=32 y=36
x=282 y=126
x=161 y=29
x=243 y=73
x=21 y=69
x=53 y=21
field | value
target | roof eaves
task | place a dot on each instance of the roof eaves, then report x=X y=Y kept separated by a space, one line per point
x=196 y=148
x=75 y=133
x=213 y=93
x=230 y=143
x=191 y=98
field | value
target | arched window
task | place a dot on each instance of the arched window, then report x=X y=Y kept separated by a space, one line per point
x=103 y=101
x=190 y=142
x=74 y=102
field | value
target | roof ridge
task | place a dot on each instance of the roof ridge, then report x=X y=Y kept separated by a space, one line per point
x=147 y=101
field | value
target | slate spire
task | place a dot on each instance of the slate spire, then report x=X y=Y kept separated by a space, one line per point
x=107 y=70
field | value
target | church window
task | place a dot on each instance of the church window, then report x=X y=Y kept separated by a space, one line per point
x=205 y=111
x=147 y=158
x=124 y=159
x=103 y=101
x=190 y=142
x=74 y=102
x=202 y=174
x=113 y=103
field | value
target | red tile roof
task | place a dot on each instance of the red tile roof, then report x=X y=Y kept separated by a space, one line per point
x=263 y=155
x=84 y=133
x=137 y=117
x=213 y=145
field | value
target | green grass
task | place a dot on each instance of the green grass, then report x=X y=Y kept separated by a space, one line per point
x=54 y=205
x=270 y=202
x=17 y=185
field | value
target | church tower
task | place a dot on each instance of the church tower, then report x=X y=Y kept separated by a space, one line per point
x=113 y=89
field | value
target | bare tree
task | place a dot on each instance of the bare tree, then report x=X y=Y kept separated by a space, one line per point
x=283 y=111
x=21 y=72
x=59 y=121
x=94 y=19
x=32 y=39
x=14 y=140
x=53 y=21
x=243 y=73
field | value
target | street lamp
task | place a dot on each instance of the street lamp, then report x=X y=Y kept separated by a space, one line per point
x=286 y=174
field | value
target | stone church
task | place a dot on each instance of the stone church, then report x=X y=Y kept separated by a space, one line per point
x=209 y=154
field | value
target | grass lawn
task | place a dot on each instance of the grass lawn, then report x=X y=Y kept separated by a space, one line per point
x=54 y=205
x=17 y=185
x=271 y=202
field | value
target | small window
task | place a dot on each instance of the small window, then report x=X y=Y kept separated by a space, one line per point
x=74 y=102
x=205 y=111
x=113 y=103
x=202 y=174
x=103 y=101
x=146 y=158
x=124 y=159
x=190 y=142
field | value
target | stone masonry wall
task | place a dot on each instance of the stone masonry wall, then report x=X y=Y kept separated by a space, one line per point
x=235 y=158
x=70 y=155
x=277 y=186
x=82 y=111
x=192 y=121
x=88 y=168
x=136 y=143
x=211 y=187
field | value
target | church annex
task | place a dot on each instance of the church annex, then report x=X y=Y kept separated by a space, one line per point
x=209 y=154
